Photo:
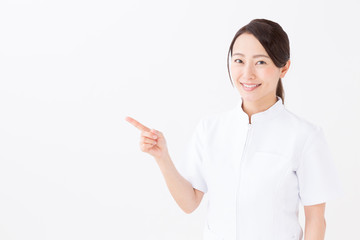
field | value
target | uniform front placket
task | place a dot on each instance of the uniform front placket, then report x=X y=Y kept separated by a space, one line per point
x=239 y=188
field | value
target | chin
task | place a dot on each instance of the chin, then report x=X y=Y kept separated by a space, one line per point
x=250 y=97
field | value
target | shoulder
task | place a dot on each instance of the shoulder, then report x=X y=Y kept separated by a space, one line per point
x=299 y=123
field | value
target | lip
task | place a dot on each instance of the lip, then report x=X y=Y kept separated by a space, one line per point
x=249 y=83
x=249 y=89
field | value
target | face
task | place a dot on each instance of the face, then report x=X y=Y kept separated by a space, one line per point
x=252 y=66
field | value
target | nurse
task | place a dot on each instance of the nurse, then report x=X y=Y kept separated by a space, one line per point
x=257 y=161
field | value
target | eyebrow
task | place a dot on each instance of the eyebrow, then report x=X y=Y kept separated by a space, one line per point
x=254 y=56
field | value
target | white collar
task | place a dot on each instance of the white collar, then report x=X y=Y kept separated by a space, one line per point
x=260 y=116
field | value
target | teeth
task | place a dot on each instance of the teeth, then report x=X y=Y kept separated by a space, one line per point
x=250 y=85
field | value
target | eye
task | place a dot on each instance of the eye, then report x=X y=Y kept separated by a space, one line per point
x=239 y=60
x=262 y=62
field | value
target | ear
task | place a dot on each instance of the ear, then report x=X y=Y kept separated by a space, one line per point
x=284 y=69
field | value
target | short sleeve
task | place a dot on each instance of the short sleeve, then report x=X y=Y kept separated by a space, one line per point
x=191 y=165
x=317 y=176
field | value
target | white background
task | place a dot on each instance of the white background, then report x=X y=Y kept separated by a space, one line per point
x=71 y=71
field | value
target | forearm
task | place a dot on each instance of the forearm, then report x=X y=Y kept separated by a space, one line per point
x=180 y=189
x=315 y=229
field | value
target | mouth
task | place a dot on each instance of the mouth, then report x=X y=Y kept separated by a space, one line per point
x=249 y=87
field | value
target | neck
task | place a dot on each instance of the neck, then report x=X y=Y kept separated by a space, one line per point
x=261 y=105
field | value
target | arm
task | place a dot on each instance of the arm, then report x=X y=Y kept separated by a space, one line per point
x=153 y=142
x=187 y=197
x=315 y=223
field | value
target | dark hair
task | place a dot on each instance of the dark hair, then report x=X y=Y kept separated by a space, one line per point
x=275 y=41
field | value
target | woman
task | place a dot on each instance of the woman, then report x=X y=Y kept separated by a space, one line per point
x=258 y=160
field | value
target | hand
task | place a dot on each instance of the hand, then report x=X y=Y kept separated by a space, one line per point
x=151 y=140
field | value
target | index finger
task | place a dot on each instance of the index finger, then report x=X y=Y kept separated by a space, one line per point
x=137 y=124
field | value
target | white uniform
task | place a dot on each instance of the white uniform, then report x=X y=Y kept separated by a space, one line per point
x=255 y=174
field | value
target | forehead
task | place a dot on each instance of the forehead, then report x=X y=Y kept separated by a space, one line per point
x=248 y=44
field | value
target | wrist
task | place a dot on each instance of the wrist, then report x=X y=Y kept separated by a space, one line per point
x=162 y=159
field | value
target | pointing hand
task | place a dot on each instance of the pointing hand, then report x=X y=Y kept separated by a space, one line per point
x=151 y=140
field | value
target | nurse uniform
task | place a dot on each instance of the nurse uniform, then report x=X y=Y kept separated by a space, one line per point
x=256 y=174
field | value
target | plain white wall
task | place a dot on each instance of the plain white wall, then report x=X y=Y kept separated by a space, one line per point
x=71 y=71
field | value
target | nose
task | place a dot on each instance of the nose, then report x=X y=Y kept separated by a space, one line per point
x=248 y=72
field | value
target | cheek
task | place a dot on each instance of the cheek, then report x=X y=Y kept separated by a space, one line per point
x=269 y=74
x=235 y=74
x=269 y=71
x=235 y=71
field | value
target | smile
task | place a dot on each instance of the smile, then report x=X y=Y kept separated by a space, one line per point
x=250 y=87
